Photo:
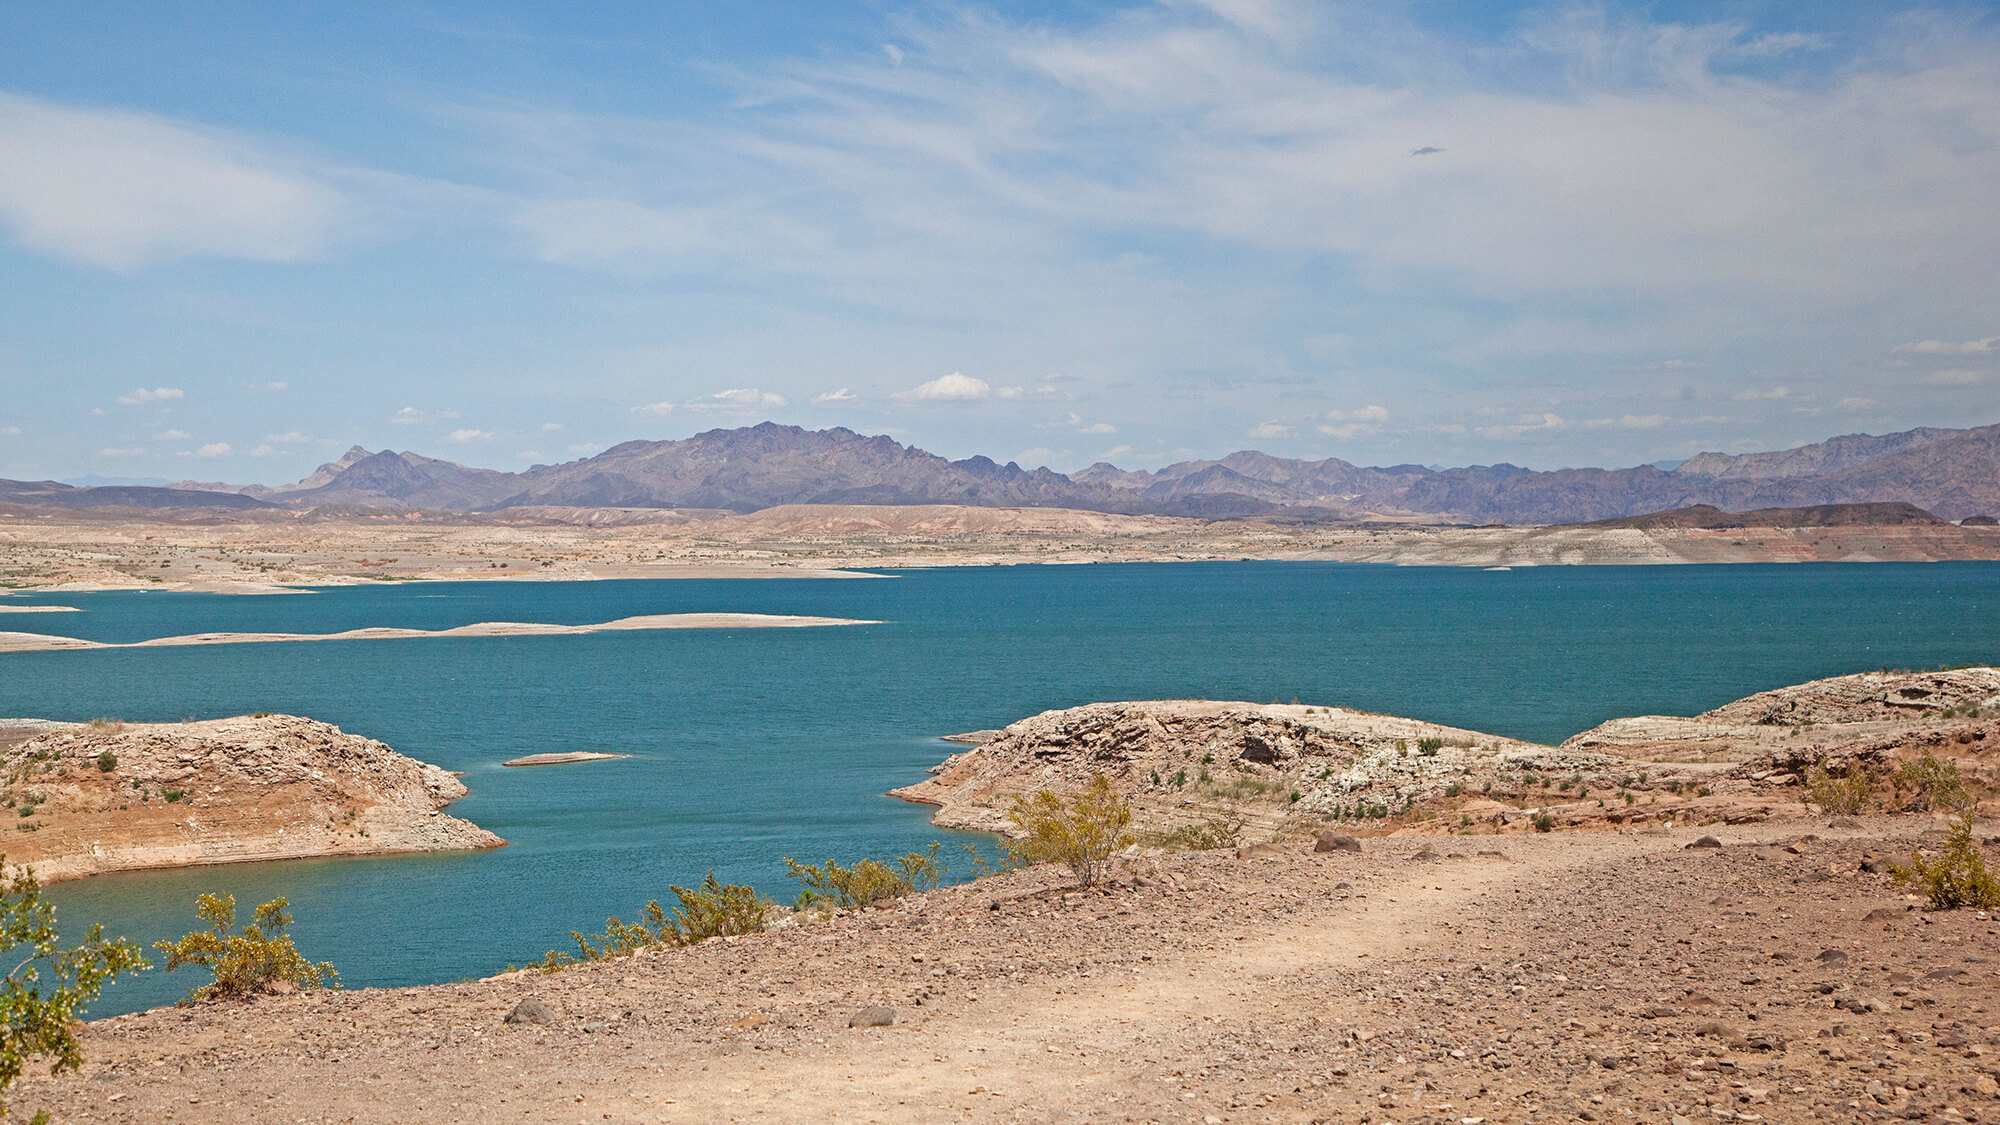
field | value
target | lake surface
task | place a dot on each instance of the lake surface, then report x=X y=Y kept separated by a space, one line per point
x=751 y=744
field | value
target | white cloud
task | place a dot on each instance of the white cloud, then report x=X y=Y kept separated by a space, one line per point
x=264 y=450
x=1099 y=428
x=835 y=397
x=289 y=437
x=1986 y=346
x=132 y=452
x=1628 y=422
x=213 y=449
x=660 y=408
x=1270 y=430
x=467 y=436
x=1523 y=425
x=1365 y=414
x=120 y=190
x=1856 y=405
x=411 y=416
x=10 y=431
x=1349 y=424
x=1955 y=377
x=738 y=398
x=267 y=388
x=171 y=435
x=955 y=387
x=156 y=394
x=551 y=427
x=1753 y=394
x=529 y=455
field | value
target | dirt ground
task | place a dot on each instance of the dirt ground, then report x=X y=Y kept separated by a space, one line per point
x=1595 y=976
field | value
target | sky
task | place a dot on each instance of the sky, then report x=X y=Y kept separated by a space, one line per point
x=236 y=239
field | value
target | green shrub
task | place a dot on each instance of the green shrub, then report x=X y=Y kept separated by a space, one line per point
x=711 y=910
x=1957 y=876
x=107 y=761
x=869 y=881
x=173 y=795
x=1544 y=822
x=41 y=998
x=1934 y=783
x=1082 y=831
x=1429 y=747
x=1844 y=795
x=261 y=958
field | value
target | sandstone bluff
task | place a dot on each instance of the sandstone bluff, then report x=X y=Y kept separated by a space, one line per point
x=103 y=796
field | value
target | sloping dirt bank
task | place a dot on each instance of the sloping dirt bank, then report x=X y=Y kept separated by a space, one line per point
x=1604 y=976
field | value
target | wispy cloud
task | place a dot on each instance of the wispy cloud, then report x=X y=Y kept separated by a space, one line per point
x=1955 y=377
x=1755 y=394
x=835 y=397
x=411 y=416
x=156 y=394
x=213 y=449
x=1987 y=346
x=468 y=436
x=1268 y=430
x=739 y=399
x=119 y=190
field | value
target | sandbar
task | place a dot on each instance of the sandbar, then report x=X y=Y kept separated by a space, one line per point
x=562 y=758
x=42 y=642
x=38 y=609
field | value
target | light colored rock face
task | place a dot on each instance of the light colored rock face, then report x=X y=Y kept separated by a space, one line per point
x=1181 y=759
x=1289 y=771
x=217 y=791
x=1875 y=715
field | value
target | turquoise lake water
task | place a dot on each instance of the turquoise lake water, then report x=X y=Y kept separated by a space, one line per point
x=751 y=744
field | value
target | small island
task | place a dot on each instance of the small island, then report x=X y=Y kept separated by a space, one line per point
x=562 y=758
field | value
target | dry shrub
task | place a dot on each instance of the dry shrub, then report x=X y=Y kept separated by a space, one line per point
x=1082 y=831
x=262 y=958
x=1216 y=830
x=868 y=881
x=107 y=726
x=1845 y=794
x=1957 y=876
x=1934 y=783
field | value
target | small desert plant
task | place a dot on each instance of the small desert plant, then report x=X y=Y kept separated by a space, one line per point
x=1429 y=747
x=107 y=761
x=1082 y=831
x=173 y=795
x=1934 y=782
x=107 y=726
x=1544 y=822
x=869 y=881
x=1840 y=796
x=261 y=958
x=1957 y=876
x=1704 y=791
x=1217 y=830
x=710 y=910
x=1454 y=789
x=40 y=998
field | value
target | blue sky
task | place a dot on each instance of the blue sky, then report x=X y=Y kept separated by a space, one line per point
x=235 y=239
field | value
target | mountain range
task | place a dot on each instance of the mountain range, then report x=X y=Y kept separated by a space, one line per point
x=1951 y=473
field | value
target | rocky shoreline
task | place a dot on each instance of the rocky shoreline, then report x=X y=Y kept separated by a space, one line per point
x=92 y=798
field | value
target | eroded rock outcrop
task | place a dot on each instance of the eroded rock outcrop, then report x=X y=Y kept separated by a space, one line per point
x=90 y=798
